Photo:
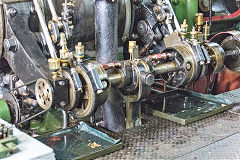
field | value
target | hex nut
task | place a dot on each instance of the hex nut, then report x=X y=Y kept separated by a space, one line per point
x=10 y=45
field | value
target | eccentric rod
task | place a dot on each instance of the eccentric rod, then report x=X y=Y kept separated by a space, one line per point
x=52 y=9
x=45 y=29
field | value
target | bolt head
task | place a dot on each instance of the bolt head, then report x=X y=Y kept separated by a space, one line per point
x=15 y=78
x=99 y=91
x=15 y=92
x=149 y=80
x=142 y=27
x=62 y=104
x=160 y=17
x=12 y=11
x=201 y=63
x=156 y=9
x=105 y=84
x=188 y=66
x=61 y=83
x=10 y=45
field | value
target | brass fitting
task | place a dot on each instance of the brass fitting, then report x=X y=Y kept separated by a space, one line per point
x=193 y=34
x=54 y=65
x=200 y=38
x=132 y=45
x=64 y=53
x=184 y=29
x=156 y=8
x=63 y=40
x=79 y=52
x=199 y=21
x=206 y=29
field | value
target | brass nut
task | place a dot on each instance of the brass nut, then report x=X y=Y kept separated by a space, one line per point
x=49 y=26
x=53 y=37
x=188 y=66
x=155 y=9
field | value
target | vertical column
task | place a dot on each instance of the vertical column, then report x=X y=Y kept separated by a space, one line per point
x=133 y=114
x=106 y=38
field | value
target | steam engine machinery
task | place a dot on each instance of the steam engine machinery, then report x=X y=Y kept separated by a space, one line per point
x=99 y=60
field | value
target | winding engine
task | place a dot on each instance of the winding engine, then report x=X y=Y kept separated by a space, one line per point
x=88 y=59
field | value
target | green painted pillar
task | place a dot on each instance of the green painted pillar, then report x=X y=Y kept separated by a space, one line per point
x=4 y=111
x=185 y=9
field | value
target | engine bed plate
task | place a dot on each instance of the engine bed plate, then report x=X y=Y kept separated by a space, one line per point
x=80 y=142
x=185 y=107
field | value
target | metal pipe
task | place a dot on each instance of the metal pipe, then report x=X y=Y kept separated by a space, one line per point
x=164 y=98
x=52 y=9
x=210 y=12
x=165 y=68
x=128 y=20
x=45 y=29
x=106 y=30
x=106 y=38
x=65 y=119
x=168 y=87
x=30 y=118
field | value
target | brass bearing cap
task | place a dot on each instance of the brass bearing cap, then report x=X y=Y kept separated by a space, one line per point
x=217 y=56
x=54 y=64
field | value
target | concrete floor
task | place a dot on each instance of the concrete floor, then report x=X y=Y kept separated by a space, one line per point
x=227 y=148
x=216 y=137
